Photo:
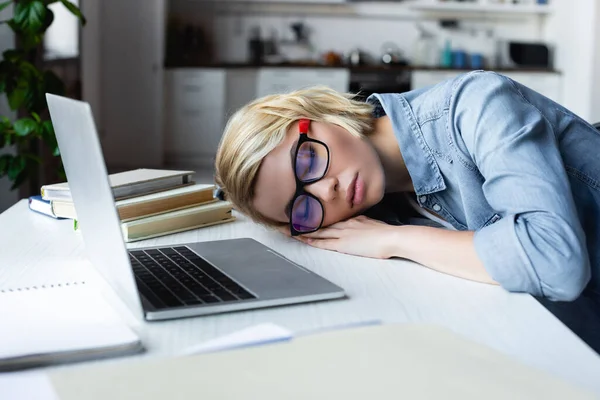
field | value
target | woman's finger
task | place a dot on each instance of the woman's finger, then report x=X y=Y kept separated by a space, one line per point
x=325 y=244
x=324 y=233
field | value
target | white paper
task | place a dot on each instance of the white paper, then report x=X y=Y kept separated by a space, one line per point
x=22 y=386
x=251 y=336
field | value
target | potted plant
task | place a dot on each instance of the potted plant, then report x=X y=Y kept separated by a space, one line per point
x=25 y=83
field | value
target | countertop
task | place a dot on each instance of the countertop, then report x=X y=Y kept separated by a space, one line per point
x=357 y=68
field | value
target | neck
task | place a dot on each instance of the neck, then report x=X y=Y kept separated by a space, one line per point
x=397 y=178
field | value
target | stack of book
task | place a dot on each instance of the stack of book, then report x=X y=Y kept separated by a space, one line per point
x=149 y=202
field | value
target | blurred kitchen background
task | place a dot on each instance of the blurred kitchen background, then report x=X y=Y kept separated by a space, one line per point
x=163 y=76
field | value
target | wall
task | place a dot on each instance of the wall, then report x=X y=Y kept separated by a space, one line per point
x=572 y=28
x=7 y=197
x=62 y=38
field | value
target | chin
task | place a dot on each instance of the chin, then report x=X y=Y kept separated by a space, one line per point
x=376 y=196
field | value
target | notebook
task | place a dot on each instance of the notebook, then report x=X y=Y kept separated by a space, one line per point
x=395 y=361
x=129 y=183
x=59 y=323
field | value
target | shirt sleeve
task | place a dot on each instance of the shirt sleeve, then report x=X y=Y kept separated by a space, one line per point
x=539 y=245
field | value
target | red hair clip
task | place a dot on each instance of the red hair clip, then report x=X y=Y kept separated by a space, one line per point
x=303 y=126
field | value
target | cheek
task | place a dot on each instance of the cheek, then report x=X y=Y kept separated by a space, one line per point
x=334 y=214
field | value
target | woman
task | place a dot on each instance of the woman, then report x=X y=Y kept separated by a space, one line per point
x=509 y=179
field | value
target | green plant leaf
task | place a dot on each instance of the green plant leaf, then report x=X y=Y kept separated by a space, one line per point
x=5 y=124
x=5 y=4
x=49 y=137
x=47 y=130
x=25 y=126
x=20 y=178
x=13 y=55
x=61 y=172
x=30 y=15
x=5 y=161
x=5 y=133
x=32 y=41
x=13 y=25
x=36 y=117
x=48 y=19
x=53 y=84
x=8 y=76
x=17 y=164
x=74 y=10
x=16 y=98
x=33 y=158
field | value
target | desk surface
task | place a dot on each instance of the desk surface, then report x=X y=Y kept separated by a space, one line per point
x=35 y=250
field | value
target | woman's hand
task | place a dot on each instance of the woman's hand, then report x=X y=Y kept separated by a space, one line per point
x=450 y=252
x=359 y=236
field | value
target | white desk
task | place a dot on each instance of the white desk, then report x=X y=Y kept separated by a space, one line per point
x=35 y=249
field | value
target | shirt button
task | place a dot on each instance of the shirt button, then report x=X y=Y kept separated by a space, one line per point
x=436 y=207
x=423 y=199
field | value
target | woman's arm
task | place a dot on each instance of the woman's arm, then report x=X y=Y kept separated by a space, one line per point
x=450 y=252
x=539 y=245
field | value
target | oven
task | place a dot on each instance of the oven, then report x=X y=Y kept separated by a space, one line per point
x=365 y=81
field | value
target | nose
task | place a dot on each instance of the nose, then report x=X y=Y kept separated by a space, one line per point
x=325 y=189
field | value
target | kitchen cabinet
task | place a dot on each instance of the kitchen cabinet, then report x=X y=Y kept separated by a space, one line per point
x=194 y=115
x=546 y=83
x=481 y=7
x=279 y=80
x=288 y=1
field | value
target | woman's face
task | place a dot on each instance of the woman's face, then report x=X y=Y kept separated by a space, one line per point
x=353 y=182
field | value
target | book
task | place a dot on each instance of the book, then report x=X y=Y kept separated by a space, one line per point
x=39 y=205
x=150 y=204
x=217 y=212
x=59 y=323
x=129 y=183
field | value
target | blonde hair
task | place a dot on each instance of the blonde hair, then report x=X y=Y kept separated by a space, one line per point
x=260 y=126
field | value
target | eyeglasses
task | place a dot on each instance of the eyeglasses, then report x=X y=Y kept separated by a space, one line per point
x=310 y=164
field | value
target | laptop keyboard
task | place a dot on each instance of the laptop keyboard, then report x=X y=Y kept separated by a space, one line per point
x=176 y=277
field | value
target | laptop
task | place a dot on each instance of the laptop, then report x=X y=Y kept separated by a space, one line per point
x=176 y=281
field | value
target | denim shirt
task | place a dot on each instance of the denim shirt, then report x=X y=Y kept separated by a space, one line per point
x=492 y=156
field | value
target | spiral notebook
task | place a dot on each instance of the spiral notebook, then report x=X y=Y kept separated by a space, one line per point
x=43 y=325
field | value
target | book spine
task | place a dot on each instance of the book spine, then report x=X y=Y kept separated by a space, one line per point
x=42 y=207
x=135 y=211
x=128 y=238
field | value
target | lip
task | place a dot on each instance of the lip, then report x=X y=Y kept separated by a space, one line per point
x=359 y=192
x=350 y=191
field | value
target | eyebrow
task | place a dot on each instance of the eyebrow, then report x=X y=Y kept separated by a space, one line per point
x=288 y=207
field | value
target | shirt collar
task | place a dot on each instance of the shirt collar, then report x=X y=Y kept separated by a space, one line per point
x=418 y=157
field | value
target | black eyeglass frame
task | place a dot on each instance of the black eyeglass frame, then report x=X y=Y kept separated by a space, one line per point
x=300 y=184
